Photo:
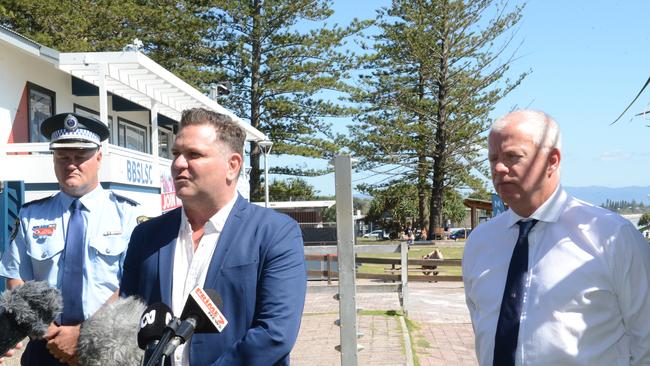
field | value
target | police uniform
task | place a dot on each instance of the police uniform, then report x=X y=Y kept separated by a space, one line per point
x=37 y=251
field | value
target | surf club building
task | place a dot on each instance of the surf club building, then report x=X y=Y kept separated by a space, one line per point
x=139 y=100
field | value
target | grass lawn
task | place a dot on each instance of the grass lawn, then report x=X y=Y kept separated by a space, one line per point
x=416 y=252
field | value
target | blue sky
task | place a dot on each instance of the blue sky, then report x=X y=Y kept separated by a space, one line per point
x=588 y=60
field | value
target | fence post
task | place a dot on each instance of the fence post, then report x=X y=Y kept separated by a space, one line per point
x=405 y=276
x=328 y=257
x=345 y=249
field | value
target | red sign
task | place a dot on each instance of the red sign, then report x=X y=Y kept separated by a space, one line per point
x=169 y=201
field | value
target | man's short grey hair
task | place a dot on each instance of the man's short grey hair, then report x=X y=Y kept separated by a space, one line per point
x=539 y=125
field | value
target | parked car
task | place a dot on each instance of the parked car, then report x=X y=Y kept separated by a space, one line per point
x=460 y=234
x=376 y=234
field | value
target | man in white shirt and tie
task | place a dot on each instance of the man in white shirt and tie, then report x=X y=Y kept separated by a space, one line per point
x=572 y=287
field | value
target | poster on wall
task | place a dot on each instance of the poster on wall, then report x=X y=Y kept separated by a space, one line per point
x=168 y=197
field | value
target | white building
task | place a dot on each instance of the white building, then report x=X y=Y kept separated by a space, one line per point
x=140 y=101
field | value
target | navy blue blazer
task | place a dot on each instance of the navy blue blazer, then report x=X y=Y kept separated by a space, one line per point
x=258 y=268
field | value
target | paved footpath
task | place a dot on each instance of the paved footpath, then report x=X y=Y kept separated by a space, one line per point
x=441 y=335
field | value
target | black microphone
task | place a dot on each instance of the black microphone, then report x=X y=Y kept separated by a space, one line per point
x=157 y=327
x=27 y=310
x=108 y=336
x=200 y=315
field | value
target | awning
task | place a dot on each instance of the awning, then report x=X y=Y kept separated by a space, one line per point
x=137 y=78
x=478 y=204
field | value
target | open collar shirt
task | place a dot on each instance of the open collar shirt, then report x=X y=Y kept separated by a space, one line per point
x=191 y=267
x=587 y=290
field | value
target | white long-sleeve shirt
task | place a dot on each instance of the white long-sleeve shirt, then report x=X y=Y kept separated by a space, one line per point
x=587 y=292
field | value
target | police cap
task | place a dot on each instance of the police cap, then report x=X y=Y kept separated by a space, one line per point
x=73 y=131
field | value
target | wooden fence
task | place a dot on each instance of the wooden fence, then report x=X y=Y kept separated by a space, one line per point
x=419 y=270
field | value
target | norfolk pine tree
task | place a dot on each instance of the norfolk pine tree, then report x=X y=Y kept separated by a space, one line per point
x=279 y=73
x=438 y=71
x=172 y=32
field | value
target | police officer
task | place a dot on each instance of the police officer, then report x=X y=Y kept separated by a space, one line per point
x=75 y=240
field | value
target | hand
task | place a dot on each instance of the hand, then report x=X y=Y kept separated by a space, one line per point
x=62 y=342
x=11 y=352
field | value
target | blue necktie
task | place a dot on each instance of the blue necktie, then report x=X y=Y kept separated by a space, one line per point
x=72 y=284
x=505 y=340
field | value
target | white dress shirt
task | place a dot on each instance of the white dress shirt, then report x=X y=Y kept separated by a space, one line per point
x=586 y=297
x=190 y=267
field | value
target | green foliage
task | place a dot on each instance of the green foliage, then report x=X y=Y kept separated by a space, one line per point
x=453 y=207
x=438 y=70
x=394 y=206
x=358 y=204
x=644 y=221
x=173 y=32
x=292 y=189
x=361 y=204
x=281 y=73
x=625 y=206
x=284 y=78
x=481 y=193
x=329 y=214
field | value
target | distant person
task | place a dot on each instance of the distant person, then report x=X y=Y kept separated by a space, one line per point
x=75 y=240
x=553 y=280
x=423 y=233
x=409 y=236
x=252 y=256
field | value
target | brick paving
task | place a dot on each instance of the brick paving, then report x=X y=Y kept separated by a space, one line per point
x=318 y=336
x=445 y=344
x=442 y=335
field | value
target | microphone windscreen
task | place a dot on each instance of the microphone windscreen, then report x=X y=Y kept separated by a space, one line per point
x=33 y=306
x=153 y=321
x=202 y=305
x=27 y=310
x=108 y=336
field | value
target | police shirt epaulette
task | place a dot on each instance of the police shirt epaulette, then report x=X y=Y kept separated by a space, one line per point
x=36 y=201
x=122 y=199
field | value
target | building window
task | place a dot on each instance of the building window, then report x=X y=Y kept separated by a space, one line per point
x=87 y=112
x=41 y=106
x=131 y=135
x=165 y=140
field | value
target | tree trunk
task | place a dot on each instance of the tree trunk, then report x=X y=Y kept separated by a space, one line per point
x=422 y=167
x=256 y=194
x=422 y=186
x=439 y=156
x=256 y=54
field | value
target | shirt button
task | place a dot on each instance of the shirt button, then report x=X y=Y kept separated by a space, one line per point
x=108 y=251
x=43 y=255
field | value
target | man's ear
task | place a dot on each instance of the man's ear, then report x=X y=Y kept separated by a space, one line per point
x=99 y=156
x=235 y=162
x=554 y=158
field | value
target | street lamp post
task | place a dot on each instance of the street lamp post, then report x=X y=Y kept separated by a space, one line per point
x=265 y=146
x=218 y=89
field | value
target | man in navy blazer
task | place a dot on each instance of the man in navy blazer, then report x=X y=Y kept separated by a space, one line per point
x=251 y=256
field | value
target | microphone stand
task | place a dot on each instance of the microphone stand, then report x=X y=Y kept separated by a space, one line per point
x=157 y=356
